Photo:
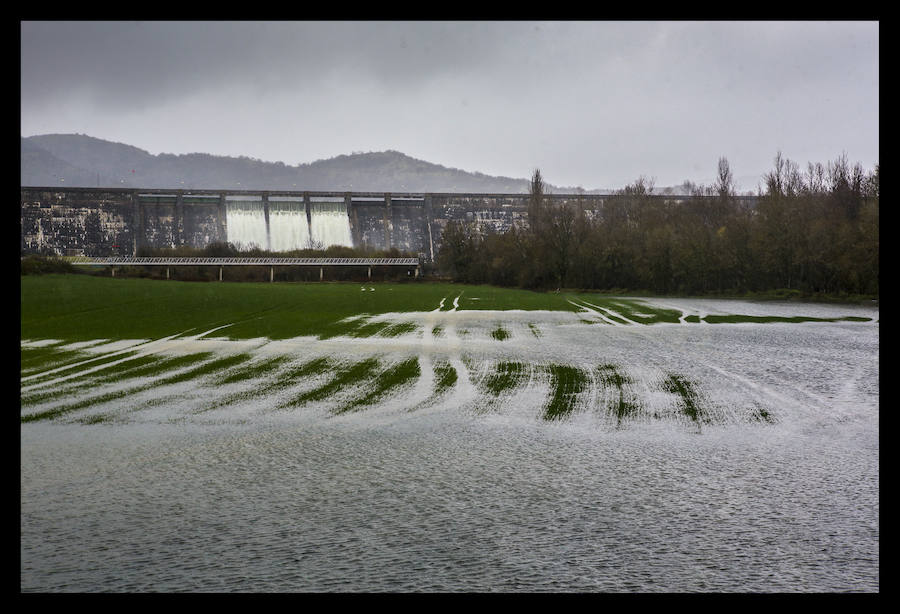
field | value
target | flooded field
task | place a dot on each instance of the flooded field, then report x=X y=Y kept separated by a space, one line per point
x=672 y=445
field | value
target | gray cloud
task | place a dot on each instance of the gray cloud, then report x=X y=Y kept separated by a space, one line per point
x=591 y=103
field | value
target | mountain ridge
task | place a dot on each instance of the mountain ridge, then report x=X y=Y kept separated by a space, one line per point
x=79 y=160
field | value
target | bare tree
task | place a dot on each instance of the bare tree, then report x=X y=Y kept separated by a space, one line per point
x=725 y=180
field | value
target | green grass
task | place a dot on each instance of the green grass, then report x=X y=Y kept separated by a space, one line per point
x=282 y=380
x=401 y=328
x=82 y=308
x=213 y=366
x=609 y=376
x=117 y=372
x=446 y=377
x=688 y=393
x=634 y=310
x=86 y=363
x=208 y=368
x=566 y=383
x=387 y=381
x=506 y=375
x=348 y=377
x=500 y=333
x=38 y=359
x=254 y=371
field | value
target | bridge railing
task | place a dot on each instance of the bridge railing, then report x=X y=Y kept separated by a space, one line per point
x=200 y=261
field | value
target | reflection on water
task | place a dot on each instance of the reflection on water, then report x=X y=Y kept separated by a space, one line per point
x=447 y=497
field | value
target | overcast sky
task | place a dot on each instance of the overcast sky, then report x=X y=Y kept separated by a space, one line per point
x=592 y=104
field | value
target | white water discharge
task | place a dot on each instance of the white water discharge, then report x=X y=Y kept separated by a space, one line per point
x=761 y=476
x=330 y=224
x=245 y=222
x=288 y=226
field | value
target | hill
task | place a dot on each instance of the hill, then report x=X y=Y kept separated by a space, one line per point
x=83 y=161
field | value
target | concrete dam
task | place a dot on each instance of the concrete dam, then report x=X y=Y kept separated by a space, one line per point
x=104 y=222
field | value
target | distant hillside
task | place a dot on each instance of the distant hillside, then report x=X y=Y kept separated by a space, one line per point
x=83 y=161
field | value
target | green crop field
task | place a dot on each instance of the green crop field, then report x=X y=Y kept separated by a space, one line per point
x=76 y=307
x=97 y=350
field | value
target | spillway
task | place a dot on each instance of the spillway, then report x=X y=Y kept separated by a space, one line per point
x=330 y=224
x=246 y=223
x=288 y=226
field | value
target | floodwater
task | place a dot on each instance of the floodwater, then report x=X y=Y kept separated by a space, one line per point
x=469 y=491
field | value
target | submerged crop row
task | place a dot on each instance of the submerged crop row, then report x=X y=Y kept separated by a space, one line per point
x=283 y=384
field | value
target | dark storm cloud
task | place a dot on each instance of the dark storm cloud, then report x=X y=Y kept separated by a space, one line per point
x=591 y=103
x=126 y=63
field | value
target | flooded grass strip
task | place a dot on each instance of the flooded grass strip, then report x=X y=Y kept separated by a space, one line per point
x=402 y=328
x=387 y=381
x=506 y=375
x=741 y=319
x=112 y=373
x=80 y=366
x=688 y=394
x=38 y=359
x=611 y=378
x=643 y=313
x=205 y=369
x=761 y=414
x=566 y=383
x=629 y=311
x=284 y=380
x=446 y=377
x=256 y=370
x=349 y=376
x=500 y=333
x=163 y=366
x=208 y=368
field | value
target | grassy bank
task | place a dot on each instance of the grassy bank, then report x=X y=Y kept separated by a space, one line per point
x=79 y=307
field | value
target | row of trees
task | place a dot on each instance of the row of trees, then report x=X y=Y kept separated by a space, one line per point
x=813 y=231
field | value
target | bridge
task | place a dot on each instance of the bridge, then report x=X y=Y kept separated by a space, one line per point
x=122 y=261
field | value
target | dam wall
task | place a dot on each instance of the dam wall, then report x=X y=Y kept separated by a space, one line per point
x=118 y=222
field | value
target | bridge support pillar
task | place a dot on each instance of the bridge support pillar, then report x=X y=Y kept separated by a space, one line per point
x=370 y=272
x=417 y=272
x=272 y=274
x=321 y=273
x=167 y=272
x=265 y=202
x=220 y=273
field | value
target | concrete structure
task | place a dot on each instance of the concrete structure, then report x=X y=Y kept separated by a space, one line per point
x=104 y=222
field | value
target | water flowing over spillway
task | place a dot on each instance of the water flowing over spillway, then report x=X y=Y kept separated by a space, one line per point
x=288 y=226
x=246 y=223
x=330 y=224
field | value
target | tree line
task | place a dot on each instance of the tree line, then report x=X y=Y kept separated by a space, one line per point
x=813 y=231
